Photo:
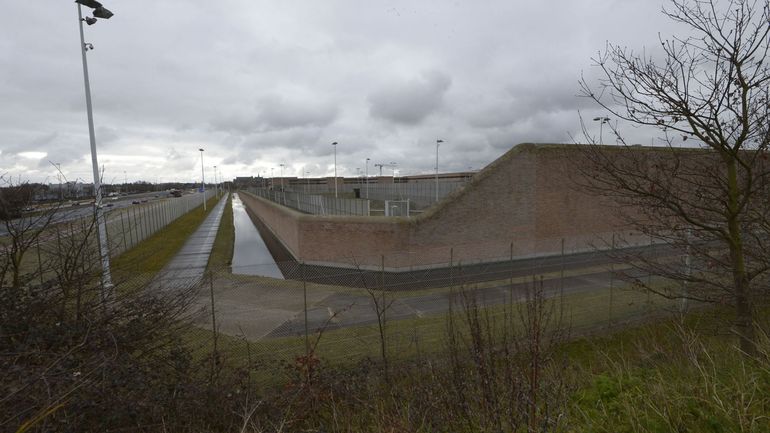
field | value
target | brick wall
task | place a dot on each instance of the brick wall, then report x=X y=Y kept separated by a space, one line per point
x=526 y=198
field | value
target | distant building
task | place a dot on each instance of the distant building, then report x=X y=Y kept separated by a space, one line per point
x=248 y=181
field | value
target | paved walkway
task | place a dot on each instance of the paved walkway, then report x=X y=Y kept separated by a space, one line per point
x=186 y=269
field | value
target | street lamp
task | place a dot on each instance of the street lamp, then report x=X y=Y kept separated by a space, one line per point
x=366 y=174
x=358 y=175
x=438 y=142
x=58 y=176
x=203 y=183
x=216 y=186
x=602 y=121
x=393 y=166
x=335 y=168
x=101 y=233
x=282 y=166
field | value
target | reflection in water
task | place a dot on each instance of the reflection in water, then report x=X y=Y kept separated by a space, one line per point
x=250 y=255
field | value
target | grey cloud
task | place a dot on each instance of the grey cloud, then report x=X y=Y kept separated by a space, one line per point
x=275 y=112
x=43 y=140
x=235 y=123
x=516 y=104
x=270 y=85
x=106 y=135
x=172 y=154
x=278 y=145
x=411 y=101
x=280 y=112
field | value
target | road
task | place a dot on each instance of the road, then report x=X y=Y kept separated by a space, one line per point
x=83 y=208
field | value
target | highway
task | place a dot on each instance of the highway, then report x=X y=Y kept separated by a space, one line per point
x=73 y=210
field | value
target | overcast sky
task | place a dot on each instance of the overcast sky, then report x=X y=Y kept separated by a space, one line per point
x=258 y=83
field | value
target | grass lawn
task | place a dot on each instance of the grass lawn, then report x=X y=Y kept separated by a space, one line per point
x=583 y=313
x=141 y=263
x=222 y=251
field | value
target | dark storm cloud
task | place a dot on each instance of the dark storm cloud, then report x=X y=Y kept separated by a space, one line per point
x=411 y=101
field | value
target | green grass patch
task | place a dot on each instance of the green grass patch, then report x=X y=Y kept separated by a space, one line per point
x=597 y=311
x=222 y=252
x=147 y=258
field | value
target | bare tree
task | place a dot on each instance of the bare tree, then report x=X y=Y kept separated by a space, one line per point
x=69 y=361
x=20 y=228
x=704 y=194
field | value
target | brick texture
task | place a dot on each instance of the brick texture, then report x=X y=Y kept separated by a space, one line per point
x=524 y=203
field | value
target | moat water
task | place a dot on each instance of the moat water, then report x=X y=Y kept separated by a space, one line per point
x=250 y=255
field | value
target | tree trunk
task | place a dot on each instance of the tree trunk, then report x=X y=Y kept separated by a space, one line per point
x=744 y=322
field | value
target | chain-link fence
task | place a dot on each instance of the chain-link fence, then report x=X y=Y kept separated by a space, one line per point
x=128 y=226
x=315 y=204
x=396 y=199
x=422 y=194
x=72 y=237
x=348 y=314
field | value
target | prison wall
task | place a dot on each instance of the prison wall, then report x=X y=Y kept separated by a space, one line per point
x=523 y=204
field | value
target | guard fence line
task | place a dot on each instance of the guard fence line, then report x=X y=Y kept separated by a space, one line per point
x=398 y=199
x=315 y=204
x=126 y=227
x=422 y=194
x=345 y=315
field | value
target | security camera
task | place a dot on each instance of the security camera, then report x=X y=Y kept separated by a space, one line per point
x=88 y=46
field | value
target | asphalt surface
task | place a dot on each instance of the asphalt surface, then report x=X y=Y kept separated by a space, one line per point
x=83 y=208
x=341 y=310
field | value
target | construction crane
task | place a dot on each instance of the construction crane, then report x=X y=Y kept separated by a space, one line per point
x=380 y=166
x=392 y=165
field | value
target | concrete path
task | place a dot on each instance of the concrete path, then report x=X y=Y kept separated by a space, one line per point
x=186 y=269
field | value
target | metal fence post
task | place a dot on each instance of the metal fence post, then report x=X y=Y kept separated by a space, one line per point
x=213 y=321
x=123 y=232
x=39 y=262
x=612 y=279
x=561 y=276
x=304 y=295
x=649 y=280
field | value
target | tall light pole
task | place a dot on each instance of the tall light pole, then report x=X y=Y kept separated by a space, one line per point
x=335 y=168
x=272 y=178
x=358 y=175
x=58 y=176
x=203 y=183
x=393 y=166
x=366 y=174
x=602 y=121
x=216 y=186
x=282 y=166
x=438 y=143
x=101 y=233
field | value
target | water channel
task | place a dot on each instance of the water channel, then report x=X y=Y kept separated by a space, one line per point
x=250 y=255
